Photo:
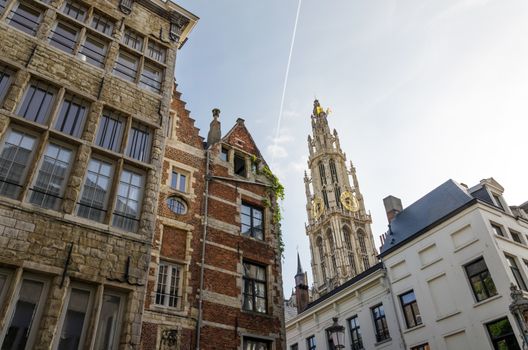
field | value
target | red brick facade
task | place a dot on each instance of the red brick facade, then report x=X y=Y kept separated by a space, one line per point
x=178 y=239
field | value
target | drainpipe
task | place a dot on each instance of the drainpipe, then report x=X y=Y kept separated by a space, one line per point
x=204 y=236
x=394 y=305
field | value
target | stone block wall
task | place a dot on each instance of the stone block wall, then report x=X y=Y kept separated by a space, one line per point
x=56 y=245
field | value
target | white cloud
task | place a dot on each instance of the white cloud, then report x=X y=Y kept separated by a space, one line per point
x=276 y=151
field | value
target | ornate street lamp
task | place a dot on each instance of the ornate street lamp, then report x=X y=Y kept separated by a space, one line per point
x=337 y=332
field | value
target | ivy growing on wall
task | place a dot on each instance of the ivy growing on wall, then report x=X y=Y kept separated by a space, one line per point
x=276 y=193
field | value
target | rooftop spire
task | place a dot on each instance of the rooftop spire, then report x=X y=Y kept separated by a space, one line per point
x=299 y=267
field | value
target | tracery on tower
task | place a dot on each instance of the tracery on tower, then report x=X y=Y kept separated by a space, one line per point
x=338 y=225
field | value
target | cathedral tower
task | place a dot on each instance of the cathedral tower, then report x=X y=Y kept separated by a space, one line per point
x=341 y=240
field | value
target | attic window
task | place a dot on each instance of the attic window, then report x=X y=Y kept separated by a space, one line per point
x=497 y=201
x=224 y=154
x=240 y=165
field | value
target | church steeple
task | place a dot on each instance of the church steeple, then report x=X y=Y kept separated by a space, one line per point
x=338 y=224
x=301 y=287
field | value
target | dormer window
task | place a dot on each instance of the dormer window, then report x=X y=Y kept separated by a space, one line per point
x=239 y=165
x=497 y=201
x=224 y=154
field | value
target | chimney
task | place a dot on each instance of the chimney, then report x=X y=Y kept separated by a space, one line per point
x=301 y=288
x=393 y=206
x=215 y=133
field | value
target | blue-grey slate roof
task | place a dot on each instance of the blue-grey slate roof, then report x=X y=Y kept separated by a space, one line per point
x=431 y=208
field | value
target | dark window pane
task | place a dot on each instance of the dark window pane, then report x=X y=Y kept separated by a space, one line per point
x=14 y=159
x=64 y=37
x=93 y=201
x=74 y=320
x=22 y=322
x=251 y=221
x=126 y=214
x=110 y=132
x=501 y=335
x=151 y=78
x=239 y=165
x=72 y=115
x=37 y=102
x=102 y=24
x=481 y=281
x=75 y=10
x=107 y=336
x=133 y=39
x=139 y=142
x=51 y=180
x=156 y=51
x=5 y=79
x=167 y=291
x=25 y=18
x=126 y=66
x=177 y=205
x=93 y=51
x=254 y=293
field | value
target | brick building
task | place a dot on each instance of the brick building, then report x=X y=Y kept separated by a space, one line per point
x=85 y=91
x=226 y=294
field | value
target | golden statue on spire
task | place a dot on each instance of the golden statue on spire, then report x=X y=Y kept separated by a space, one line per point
x=318 y=110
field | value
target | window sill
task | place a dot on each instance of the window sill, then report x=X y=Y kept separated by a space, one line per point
x=444 y=317
x=383 y=342
x=485 y=301
x=464 y=245
x=511 y=241
x=255 y=313
x=401 y=278
x=167 y=310
x=408 y=330
x=431 y=263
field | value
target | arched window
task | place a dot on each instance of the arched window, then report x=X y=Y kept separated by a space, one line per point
x=361 y=239
x=322 y=173
x=325 y=199
x=319 y=244
x=348 y=242
x=337 y=192
x=348 y=239
x=330 y=238
x=333 y=171
x=363 y=248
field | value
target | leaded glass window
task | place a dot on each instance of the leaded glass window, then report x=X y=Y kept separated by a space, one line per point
x=139 y=142
x=37 y=102
x=110 y=132
x=93 y=51
x=251 y=221
x=14 y=159
x=25 y=18
x=93 y=203
x=72 y=115
x=52 y=176
x=168 y=286
x=64 y=37
x=254 y=288
x=126 y=66
x=127 y=208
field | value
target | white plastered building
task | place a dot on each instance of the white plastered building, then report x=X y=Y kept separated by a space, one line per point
x=453 y=275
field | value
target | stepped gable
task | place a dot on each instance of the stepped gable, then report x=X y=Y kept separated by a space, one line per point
x=184 y=127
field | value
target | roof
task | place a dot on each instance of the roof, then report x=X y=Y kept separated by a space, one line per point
x=345 y=285
x=437 y=205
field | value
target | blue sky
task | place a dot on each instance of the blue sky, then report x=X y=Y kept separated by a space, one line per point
x=421 y=91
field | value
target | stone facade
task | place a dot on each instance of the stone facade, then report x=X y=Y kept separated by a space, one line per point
x=217 y=309
x=64 y=251
x=341 y=240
